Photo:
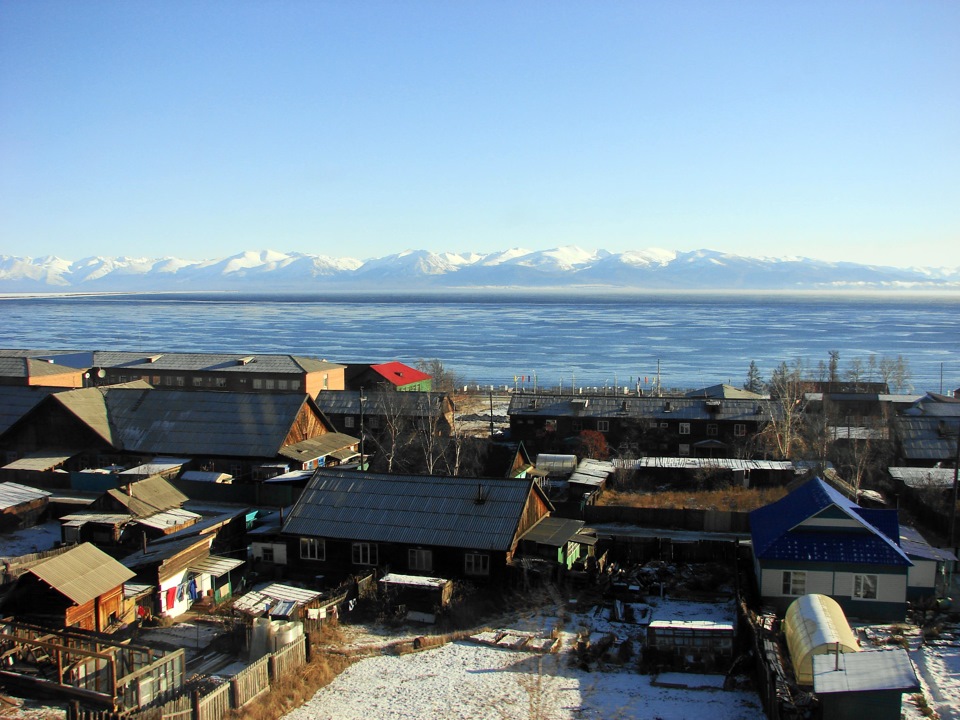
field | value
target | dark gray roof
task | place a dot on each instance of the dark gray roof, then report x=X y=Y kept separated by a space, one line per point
x=24 y=367
x=347 y=402
x=183 y=422
x=17 y=400
x=411 y=509
x=644 y=408
x=211 y=362
x=927 y=438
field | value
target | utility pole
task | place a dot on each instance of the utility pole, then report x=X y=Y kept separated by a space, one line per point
x=362 y=457
x=491 y=411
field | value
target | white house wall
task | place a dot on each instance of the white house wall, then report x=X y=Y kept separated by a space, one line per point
x=923 y=574
x=890 y=588
x=818 y=581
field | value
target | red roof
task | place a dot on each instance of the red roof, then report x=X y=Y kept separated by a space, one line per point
x=399 y=374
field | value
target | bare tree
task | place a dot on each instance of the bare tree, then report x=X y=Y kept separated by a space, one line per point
x=783 y=434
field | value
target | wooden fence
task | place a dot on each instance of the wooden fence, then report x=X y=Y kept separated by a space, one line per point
x=244 y=687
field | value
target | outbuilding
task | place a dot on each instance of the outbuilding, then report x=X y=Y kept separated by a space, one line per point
x=815 y=625
x=864 y=685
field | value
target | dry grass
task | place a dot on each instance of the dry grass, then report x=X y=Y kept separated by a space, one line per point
x=732 y=498
x=294 y=689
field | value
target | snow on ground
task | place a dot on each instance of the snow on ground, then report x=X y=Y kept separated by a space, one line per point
x=466 y=681
x=30 y=540
x=473 y=681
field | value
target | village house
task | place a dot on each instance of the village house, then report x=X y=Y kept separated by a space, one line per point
x=382 y=411
x=927 y=431
x=21 y=506
x=674 y=426
x=815 y=540
x=25 y=371
x=349 y=522
x=81 y=588
x=387 y=376
x=241 y=434
x=230 y=372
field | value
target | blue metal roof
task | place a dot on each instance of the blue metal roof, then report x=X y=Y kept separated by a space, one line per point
x=777 y=534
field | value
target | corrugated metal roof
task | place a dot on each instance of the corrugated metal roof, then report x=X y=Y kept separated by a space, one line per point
x=157 y=466
x=871 y=671
x=644 y=408
x=318 y=447
x=680 y=463
x=13 y=494
x=83 y=573
x=259 y=601
x=410 y=509
x=916 y=546
x=185 y=422
x=927 y=438
x=203 y=476
x=148 y=497
x=169 y=519
x=41 y=460
x=776 y=535
x=915 y=477
x=216 y=565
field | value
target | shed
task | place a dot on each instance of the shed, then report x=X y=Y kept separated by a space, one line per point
x=866 y=684
x=815 y=625
x=21 y=505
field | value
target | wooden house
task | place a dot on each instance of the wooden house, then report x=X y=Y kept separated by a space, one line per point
x=30 y=372
x=380 y=412
x=235 y=433
x=80 y=588
x=230 y=372
x=349 y=522
x=387 y=376
x=21 y=506
x=815 y=540
x=675 y=426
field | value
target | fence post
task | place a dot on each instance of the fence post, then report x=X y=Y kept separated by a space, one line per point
x=235 y=693
x=273 y=667
x=195 y=705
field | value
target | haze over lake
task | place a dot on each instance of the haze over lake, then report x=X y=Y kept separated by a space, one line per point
x=594 y=341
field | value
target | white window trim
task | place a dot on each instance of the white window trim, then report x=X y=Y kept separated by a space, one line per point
x=860 y=588
x=684 y=428
x=363 y=553
x=471 y=561
x=793 y=583
x=420 y=559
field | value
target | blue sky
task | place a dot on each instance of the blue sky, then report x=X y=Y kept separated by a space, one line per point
x=203 y=129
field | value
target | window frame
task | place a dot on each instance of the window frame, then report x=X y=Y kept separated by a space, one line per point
x=364 y=553
x=793 y=583
x=476 y=563
x=312 y=548
x=603 y=426
x=862 y=590
x=684 y=428
x=420 y=559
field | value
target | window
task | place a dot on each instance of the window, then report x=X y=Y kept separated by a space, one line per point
x=794 y=582
x=603 y=425
x=268 y=383
x=167 y=380
x=374 y=422
x=220 y=382
x=313 y=549
x=712 y=429
x=865 y=586
x=179 y=380
x=281 y=384
x=684 y=450
x=348 y=421
x=664 y=426
x=294 y=384
x=739 y=430
x=197 y=381
x=156 y=380
x=364 y=553
x=266 y=553
x=419 y=559
x=550 y=425
x=476 y=564
x=257 y=384
x=684 y=428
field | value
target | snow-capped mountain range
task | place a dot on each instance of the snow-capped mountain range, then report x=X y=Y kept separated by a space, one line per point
x=566 y=268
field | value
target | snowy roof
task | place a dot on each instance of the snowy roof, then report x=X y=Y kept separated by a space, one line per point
x=916 y=546
x=889 y=669
x=413 y=580
x=815 y=523
x=916 y=477
x=13 y=494
x=689 y=463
